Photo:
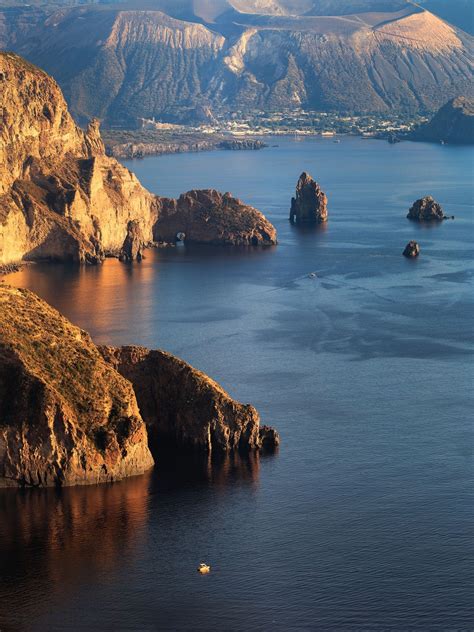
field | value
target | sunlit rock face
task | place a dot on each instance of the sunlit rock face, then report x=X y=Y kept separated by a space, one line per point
x=66 y=416
x=184 y=406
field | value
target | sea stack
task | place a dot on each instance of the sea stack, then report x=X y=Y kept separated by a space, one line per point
x=412 y=249
x=426 y=210
x=310 y=204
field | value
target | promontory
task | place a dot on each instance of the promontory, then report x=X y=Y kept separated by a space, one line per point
x=74 y=414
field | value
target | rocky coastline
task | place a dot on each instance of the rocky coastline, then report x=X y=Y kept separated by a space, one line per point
x=75 y=414
x=63 y=199
x=141 y=145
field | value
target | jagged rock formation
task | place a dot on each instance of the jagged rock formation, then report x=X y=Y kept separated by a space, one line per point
x=61 y=197
x=454 y=123
x=134 y=244
x=66 y=417
x=357 y=56
x=426 y=210
x=215 y=218
x=412 y=249
x=185 y=407
x=69 y=413
x=310 y=204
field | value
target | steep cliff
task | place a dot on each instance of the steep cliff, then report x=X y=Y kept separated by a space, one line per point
x=121 y=65
x=66 y=416
x=184 y=406
x=61 y=197
x=453 y=123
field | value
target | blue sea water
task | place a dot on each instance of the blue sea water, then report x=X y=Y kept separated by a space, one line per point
x=363 y=519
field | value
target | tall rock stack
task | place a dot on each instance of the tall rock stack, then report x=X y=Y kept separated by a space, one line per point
x=310 y=204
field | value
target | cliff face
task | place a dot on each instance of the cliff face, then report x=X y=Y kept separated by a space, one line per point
x=121 y=65
x=184 y=406
x=61 y=197
x=66 y=417
x=454 y=123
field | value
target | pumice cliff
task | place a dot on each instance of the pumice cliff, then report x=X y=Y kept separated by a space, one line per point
x=61 y=197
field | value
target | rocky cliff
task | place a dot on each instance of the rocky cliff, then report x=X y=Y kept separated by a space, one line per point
x=122 y=65
x=185 y=407
x=66 y=416
x=310 y=204
x=453 y=123
x=69 y=413
x=61 y=197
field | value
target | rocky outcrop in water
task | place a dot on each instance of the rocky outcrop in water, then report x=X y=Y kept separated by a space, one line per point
x=184 y=406
x=426 y=210
x=66 y=416
x=210 y=217
x=310 y=204
x=62 y=198
x=134 y=244
x=412 y=249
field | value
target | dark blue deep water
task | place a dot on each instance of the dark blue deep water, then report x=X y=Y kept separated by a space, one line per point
x=363 y=519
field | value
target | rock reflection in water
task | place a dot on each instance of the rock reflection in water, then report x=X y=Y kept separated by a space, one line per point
x=75 y=533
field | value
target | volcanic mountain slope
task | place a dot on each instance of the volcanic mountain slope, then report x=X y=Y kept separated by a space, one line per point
x=121 y=64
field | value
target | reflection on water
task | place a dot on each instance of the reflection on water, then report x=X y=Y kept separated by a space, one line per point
x=53 y=541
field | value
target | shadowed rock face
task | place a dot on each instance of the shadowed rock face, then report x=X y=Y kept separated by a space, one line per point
x=62 y=198
x=453 y=123
x=214 y=218
x=310 y=204
x=66 y=417
x=184 y=406
x=412 y=249
x=426 y=210
x=134 y=245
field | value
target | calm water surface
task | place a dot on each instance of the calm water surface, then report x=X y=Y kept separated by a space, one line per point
x=363 y=519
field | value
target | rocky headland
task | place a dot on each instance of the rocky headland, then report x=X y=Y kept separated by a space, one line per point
x=426 y=210
x=453 y=123
x=310 y=204
x=184 y=406
x=62 y=198
x=139 y=144
x=74 y=414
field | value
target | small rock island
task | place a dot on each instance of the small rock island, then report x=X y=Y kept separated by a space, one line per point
x=309 y=206
x=412 y=249
x=426 y=210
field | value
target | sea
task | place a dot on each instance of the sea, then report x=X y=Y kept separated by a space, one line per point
x=361 y=358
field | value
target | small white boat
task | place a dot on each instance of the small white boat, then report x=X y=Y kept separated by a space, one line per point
x=312 y=275
x=204 y=568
